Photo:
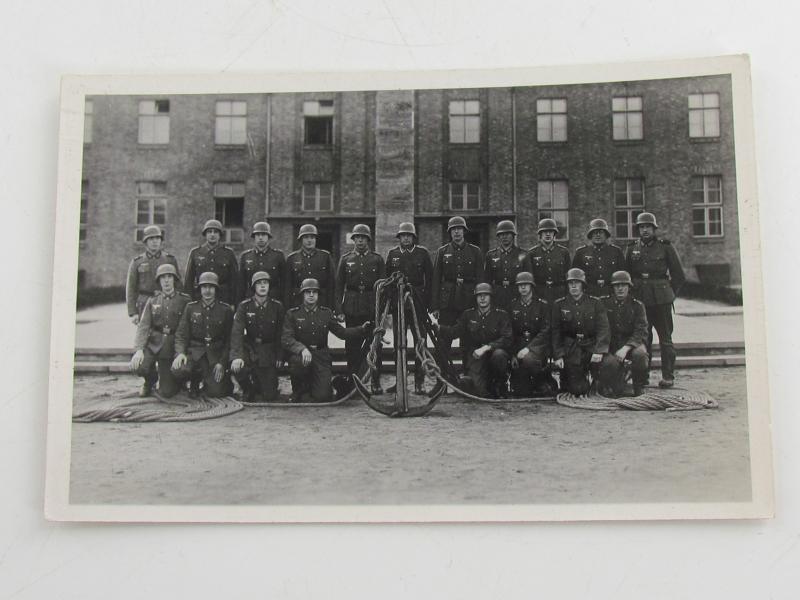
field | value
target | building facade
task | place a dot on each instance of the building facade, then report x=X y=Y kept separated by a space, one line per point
x=571 y=152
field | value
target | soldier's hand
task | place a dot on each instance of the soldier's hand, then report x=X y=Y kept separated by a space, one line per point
x=135 y=319
x=596 y=358
x=622 y=353
x=523 y=353
x=219 y=371
x=366 y=326
x=278 y=363
x=435 y=314
x=237 y=365
x=480 y=351
x=558 y=363
x=179 y=362
x=339 y=317
x=514 y=362
x=306 y=356
x=137 y=359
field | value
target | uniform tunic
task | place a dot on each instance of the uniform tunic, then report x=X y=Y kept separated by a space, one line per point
x=628 y=324
x=218 y=259
x=549 y=267
x=501 y=268
x=599 y=261
x=256 y=339
x=270 y=261
x=141 y=281
x=531 y=326
x=300 y=265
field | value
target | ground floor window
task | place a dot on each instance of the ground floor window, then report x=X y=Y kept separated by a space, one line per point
x=553 y=203
x=707 y=206
x=151 y=206
x=317 y=197
x=465 y=195
x=229 y=210
x=628 y=204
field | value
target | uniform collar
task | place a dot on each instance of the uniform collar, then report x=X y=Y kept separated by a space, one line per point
x=311 y=252
x=484 y=313
x=311 y=310
x=548 y=248
x=208 y=304
x=458 y=246
x=210 y=247
x=579 y=301
x=408 y=250
x=260 y=302
x=168 y=296
x=259 y=251
x=526 y=304
x=649 y=243
x=504 y=251
x=364 y=253
x=156 y=254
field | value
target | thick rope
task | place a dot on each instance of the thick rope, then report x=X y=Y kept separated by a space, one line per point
x=158 y=408
x=652 y=399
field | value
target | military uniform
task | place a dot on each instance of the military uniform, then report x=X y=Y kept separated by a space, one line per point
x=203 y=335
x=530 y=324
x=599 y=262
x=501 y=270
x=580 y=329
x=155 y=337
x=141 y=282
x=549 y=267
x=270 y=261
x=657 y=277
x=220 y=260
x=476 y=329
x=301 y=265
x=628 y=325
x=256 y=339
x=308 y=329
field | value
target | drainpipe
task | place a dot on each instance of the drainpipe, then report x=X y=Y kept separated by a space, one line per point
x=513 y=151
x=268 y=151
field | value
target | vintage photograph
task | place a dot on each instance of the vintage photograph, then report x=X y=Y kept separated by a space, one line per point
x=512 y=295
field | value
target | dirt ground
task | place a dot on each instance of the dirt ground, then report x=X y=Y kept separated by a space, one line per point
x=462 y=452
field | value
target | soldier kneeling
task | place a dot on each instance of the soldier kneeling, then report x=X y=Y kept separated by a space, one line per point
x=530 y=322
x=628 y=322
x=486 y=335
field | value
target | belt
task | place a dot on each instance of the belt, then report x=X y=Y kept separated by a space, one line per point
x=259 y=340
x=580 y=337
x=317 y=346
x=165 y=330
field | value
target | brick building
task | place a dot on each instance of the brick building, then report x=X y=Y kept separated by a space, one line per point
x=574 y=152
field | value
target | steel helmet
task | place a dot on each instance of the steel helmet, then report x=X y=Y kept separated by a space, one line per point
x=261 y=227
x=208 y=278
x=646 y=218
x=576 y=275
x=483 y=288
x=309 y=284
x=258 y=276
x=598 y=225
x=456 y=222
x=506 y=227
x=307 y=229
x=152 y=231
x=362 y=229
x=407 y=228
x=166 y=269
x=212 y=224
x=621 y=277
x=524 y=277
x=547 y=225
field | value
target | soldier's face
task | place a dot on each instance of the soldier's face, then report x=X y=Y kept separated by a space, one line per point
x=262 y=239
x=153 y=244
x=506 y=239
x=621 y=290
x=483 y=300
x=310 y=297
x=646 y=231
x=212 y=236
x=547 y=236
x=208 y=291
x=361 y=242
x=406 y=240
x=599 y=237
x=575 y=289
x=525 y=290
x=457 y=234
x=167 y=283
x=261 y=288
x=309 y=242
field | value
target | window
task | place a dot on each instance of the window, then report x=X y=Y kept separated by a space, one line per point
x=465 y=122
x=704 y=115
x=707 y=206
x=317 y=197
x=553 y=203
x=154 y=122
x=88 y=113
x=231 y=123
x=465 y=195
x=628 y=204
x=84 y=210
x=626 y=115
x=318 y=122
x=551 y=120
x=229 y=210
x=151 y=205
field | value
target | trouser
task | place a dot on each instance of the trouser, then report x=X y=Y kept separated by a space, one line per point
x=203 y=371
x=577 y=367
x=449 y=317
x=528 y=370
x=311 y=383
x=154 y=368
x=259 y=383
x=353 y=349
x=659 y=316
x=419 y=374
x=491 y=368
x=612 y=370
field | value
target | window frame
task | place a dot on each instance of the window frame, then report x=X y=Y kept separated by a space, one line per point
x=228 y=119
x=154 y=117
x=231 y=234
x=632 y=210
x=323 y=110
x=465 y=195
x=627 y=113
x=707 y=206
x=704 y=111
x=464 y=117
x=151 y=199
x=550 y=213
x=547 y=117
x=317 y=196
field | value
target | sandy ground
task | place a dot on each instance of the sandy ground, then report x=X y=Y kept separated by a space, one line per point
x=462 y=452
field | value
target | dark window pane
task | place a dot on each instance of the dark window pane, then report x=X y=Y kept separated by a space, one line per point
x=319 y=130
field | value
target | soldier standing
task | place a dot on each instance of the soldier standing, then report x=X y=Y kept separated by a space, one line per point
x=256 y=352
x=457 y=268
x=305 y=338
x=580 y=334
x=657 y=276
x=530 y=323
x=504 y=263
x=141 y=282
x=202 y=341
x=213 y=257
x=549 y=263
x=599 y=259
x=628 y=323
x=154 y=347
x=415 y=263
x=358 y=271
x=262 y=257
x=309 y=263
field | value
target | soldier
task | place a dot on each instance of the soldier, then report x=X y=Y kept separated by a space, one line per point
x=580 y=334
x=309 y=263
x=214 y=258
x=628 y=324
x=155 y=336
x=305 y=338
x=549 y=263
x=657 y=276
x=504 y=263
x=262 y=258
x=486 y=335
x=141 y=283
x=256 y=352
x=202 y=341
x=457 y=268
x=599 y=259
x=530 y=322
x=415 y=263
